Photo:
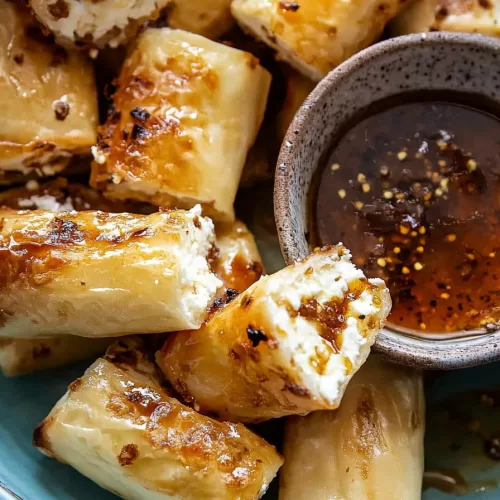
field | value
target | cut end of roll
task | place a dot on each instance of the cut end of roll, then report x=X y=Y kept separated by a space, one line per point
x=327 y=315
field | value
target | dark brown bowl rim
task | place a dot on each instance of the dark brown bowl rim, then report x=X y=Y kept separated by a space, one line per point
x=410 y=351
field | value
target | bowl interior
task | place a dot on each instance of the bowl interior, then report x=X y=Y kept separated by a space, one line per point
x=435 y=62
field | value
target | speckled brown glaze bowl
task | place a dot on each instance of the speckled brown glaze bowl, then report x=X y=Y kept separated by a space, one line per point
x=433 y=61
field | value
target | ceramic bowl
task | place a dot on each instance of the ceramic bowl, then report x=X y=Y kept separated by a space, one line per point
x=422 y=62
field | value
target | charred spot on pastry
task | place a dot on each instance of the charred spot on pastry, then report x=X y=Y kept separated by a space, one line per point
x=290 y=6
x=59 y=9
x=231 y=294
x=125 y=134
x=64 y=231
x=128 y=455
x=61 y=110
x=140 y=114
x=75 y=385
x=297 y=390
x=485 y=4
x=141 y=232
x=19 y=59
x=39 y=436
x=138 y=131
x=255 y=336
x=246 y=301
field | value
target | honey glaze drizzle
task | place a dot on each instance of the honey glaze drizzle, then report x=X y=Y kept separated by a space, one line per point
x=330 y=318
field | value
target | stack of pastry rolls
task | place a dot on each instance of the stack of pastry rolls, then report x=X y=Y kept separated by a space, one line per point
x=199 y=342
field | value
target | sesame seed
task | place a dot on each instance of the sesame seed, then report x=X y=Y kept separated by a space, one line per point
x=342 y=193
x=444 y=183
x=335 y=167
x=423 y=326
x=405 y=270
x=381 y=239
x=402 y=155
x=420 y=249
x=388 y=195
x=365 y=187
x=471 y=165
x=403 y=229
x=471 y=256
x=397 y=250
x=492 y=254
x=442 y=163
x=413 y=234
x=438 y=192
x=400 y=196
x=445 y=295
x=427 y=196
x=422 y=230
x=361 y=178
x=418 y=266
x=381 y=262
x=451 y=237
x=359 y=205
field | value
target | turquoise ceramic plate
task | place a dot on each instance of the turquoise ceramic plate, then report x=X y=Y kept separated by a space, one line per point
x=463 y=415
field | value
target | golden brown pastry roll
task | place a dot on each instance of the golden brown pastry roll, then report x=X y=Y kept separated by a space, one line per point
x=315 y=36
x=48 y=99
x=118 y=426
x=185 y=114
x=91 y=23
x=96 y=274
x=24 y=356
x=288 y=345
x=237 y=262
x=474 y=16
x=298 y=87
x=371 y=447
x=58 y=195
x=210 y=18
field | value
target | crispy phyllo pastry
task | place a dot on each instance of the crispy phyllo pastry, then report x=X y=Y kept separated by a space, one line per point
x=121 y=428
x=185 y=114
x=371 y=447
x=58 y=195
x=474 y=16
x=48 y=102
x=288 y=345
x=210 y=18
x=315 y=36
x=237 y=262
x=24 y=356
x=95 y=24
x=97 y=274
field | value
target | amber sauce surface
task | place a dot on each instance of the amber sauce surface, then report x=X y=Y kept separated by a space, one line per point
x=412 y=188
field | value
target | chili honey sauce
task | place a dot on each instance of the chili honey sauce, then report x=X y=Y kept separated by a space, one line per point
x=412 y=187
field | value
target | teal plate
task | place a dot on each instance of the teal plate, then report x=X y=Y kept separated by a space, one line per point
x=461 y=418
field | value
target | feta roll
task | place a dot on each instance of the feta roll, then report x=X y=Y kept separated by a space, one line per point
x=185 y=114
x=315 y=36
x=210 y=18
x=288 y=345
x=97 y=274
x=95 y=24
x=121 y=428
x=25 y=356
x=237 y=261
x=371 y=447
x=48 y=99
x=472 y=16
